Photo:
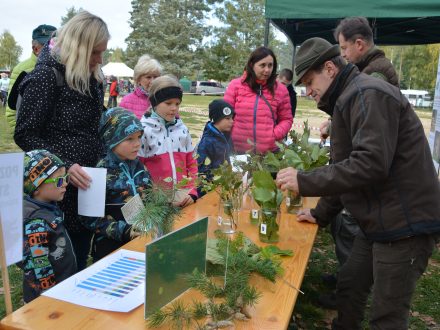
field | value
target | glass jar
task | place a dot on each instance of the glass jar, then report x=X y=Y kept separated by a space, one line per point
x=293 y=202
x=227 y=217
x=268 y=228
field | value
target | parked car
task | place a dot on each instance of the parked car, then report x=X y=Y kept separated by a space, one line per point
x=207 y=88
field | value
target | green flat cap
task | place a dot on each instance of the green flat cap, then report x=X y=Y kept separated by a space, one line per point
x=311 y=54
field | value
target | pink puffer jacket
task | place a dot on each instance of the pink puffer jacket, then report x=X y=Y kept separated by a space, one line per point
x=254 y=120
x=137 y=102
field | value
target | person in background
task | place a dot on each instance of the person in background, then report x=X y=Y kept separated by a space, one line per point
x=167 y=149
x=126 y=177
x=40 y=36
x=285 y=77
x=65 y=119
x=383 y=174
x=113 y=93
x=215 y=146
x=48 y=256
x=4 y=87
x=146 y=70
x=262 y=105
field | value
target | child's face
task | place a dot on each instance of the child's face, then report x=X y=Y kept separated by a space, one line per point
x=168 y=109
x=225 y=124
x=128 y=149
x=48 y=191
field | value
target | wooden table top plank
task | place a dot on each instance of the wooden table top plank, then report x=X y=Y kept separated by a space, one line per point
x=271 y=312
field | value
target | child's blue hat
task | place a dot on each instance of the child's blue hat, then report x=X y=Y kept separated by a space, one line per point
x=116 y=125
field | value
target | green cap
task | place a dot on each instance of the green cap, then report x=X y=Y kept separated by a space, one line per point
x=43 y=33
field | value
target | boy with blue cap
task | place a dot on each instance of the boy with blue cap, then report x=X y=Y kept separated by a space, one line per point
x=121 y=132
x=48 y=256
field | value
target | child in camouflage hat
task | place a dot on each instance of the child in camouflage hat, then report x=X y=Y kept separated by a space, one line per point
x=48 y=256
x=121 y=132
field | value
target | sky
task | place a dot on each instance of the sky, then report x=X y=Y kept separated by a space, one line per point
x=20 y=17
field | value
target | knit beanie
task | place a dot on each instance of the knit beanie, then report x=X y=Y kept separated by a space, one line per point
x=219 y=109
x=116 y=125
x=38 y=166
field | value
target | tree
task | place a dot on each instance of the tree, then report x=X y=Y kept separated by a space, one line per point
x=114 y=55
x=170 y=31
x=10 y=51
x=70 y=13
x=242 y=31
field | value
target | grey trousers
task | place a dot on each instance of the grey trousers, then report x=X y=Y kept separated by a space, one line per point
x=390 y=271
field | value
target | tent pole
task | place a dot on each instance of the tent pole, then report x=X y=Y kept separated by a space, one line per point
x=266 y=32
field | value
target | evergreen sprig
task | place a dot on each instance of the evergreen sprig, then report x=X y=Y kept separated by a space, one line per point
x=158 y=216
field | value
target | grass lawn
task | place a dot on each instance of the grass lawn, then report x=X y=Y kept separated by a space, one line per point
x=425 y=310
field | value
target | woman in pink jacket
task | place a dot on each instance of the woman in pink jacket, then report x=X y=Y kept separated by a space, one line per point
x=146 y=70
x=262 y=106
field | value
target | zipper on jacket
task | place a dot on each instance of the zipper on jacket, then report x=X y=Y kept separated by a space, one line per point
x=170 y=154
x=255 y=121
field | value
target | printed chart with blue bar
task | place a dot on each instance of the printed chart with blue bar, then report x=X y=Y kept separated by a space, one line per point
x=115 y=283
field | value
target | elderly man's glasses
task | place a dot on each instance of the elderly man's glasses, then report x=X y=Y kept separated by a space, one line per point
x=59 y=181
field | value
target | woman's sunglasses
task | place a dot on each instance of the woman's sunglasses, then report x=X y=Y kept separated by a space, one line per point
x=59 y=181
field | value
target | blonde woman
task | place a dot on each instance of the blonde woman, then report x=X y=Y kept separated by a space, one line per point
x=146 y=70
x=61 y=107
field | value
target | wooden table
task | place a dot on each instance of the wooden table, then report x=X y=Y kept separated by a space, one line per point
x=273 y=310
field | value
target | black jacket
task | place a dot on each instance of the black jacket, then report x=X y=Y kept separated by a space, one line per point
x=48 y=256
x=62 y=121
x=383 y=172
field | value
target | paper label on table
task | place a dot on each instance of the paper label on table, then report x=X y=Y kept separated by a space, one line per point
x=91 y=202
x=131 y=209
x=115 y=283
x=263 y=228
x=219 y=220
x=287 y=201
x=254 y=214
x=11 y=205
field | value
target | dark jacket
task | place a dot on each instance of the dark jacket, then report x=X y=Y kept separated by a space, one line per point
x=383 y=169
x=375 y=63
x=48 y=256
x=124 y=180
x=62 y=121
x=292 y=96
x=214 y=145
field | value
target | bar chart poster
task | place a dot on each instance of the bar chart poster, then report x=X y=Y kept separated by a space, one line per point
x=115 y=283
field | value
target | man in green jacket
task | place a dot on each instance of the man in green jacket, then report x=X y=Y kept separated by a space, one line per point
x=383 y=174
x=40 y=36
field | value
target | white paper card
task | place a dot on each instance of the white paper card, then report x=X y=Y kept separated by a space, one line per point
x=254 y=214
x=263 y=228
x=131 y=209
x=91 y=202
x=114 y=283
x=11 y=205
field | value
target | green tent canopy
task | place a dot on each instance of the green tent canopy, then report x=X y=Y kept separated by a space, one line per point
x=394 y=22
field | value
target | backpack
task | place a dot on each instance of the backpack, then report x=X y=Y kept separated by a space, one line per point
x=117 y=88
x=15 y=98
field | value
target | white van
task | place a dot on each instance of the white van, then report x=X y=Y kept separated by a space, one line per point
x=207 y=88
x=418 y=98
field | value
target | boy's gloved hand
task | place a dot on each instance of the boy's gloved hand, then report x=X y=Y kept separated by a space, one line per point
x=130 y=233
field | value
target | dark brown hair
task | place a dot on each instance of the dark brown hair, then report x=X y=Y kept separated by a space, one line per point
x=353 y=28
x=257 y=55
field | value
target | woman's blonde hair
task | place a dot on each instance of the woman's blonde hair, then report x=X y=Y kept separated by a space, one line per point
x=75 y=43
x=146 y=65
x=163 y=82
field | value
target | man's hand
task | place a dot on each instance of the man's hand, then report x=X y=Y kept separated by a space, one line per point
x=324 y=130
x=287 y=179
x=78 y=177
x=305 y=215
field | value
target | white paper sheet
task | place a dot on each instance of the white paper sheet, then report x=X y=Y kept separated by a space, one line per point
x=11 y=204
x=115 y=283
x=91 y=202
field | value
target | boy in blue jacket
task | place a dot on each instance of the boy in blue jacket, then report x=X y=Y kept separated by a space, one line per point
x=48 y=256
x=216 y=143
x=127 y=177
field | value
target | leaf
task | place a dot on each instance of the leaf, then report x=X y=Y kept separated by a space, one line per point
x=277 y=251
x=263 y=179
x=262 y=195
x=315 y=153
x=207 y=161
